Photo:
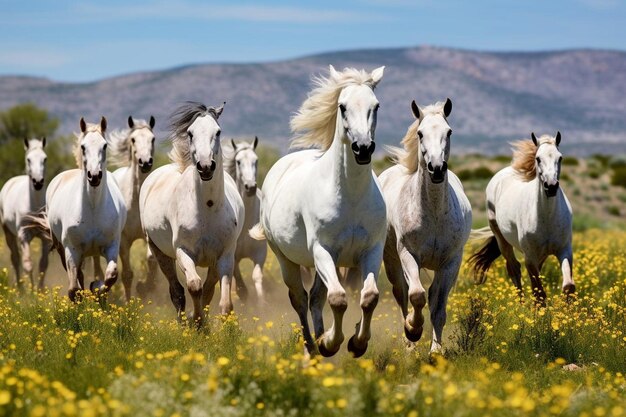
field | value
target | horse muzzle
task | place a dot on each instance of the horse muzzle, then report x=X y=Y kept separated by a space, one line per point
x=38 y=185
x=145 y=166
x=438 y=173
x=206 y=171
x=363 y=153
x=250 y=189
x=550 y=189
x=94 y=180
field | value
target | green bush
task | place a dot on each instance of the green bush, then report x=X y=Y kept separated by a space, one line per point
x=618 y=176
x=480 y=173
x=613 y=210
x=570 y=161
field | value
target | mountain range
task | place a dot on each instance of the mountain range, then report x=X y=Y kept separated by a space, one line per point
x=497 y=96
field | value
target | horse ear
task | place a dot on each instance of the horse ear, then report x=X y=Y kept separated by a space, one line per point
x=416 y=110
x=152 y=122
x=447 y=108
x=83 y=125
x=43 y=142
x=25 y=143
x=232 y=142
x=131 y=122
x=534 y=138
x=103 y=124
x=558 y=138
x=256 y=142
x=377 y=75
x=219 y=110
x=333 y=72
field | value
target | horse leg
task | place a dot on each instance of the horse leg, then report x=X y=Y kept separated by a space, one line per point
x=513 y=267
x=538 y=291
x=565 y=259
x=331 y=340
x=98 y=273
x=414 y=320
x=257 y=276
x=438 y=299
x=240 y=285
x=353 y=278
x=73 y=263
x=127 y=272
x=225 y=270
x=15 y=255
x=370 y=266
x=194 y=283
x=208 y=289
x=393 y=269
x=292 y=277
x=111 y=272
x=24 y=239
x=43 y=262
x=316 y=305
x=146 y=287
x=168 y=267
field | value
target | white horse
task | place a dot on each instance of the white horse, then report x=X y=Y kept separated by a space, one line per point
x=20 y=196
x=85 y=210
x=324 y=208
x=192 y=212
x=241 y=163
x=527 y=210
x=133 y=149
x=429 y=217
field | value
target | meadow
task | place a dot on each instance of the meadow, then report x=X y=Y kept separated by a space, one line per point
x=502 y=358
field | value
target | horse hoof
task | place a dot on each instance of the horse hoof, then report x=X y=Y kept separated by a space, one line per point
x=97 y=286
x=413 y=337
x=325 y=352
x=352 y=348
x=569 y=289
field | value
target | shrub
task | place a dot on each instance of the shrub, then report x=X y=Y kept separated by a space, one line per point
x=618 y=177
x=570 y=161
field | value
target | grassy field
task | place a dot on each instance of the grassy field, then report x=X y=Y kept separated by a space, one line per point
x=503 y=357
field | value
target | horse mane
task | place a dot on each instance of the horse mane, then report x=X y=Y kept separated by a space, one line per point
x=524 y=152
x=229 y=154
x=409 y=156
x=180 y=121
x=314 y=123
x=120 y=146
x=78 y=152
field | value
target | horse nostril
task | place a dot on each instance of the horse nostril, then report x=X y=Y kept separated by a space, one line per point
x=355 y=148
x=100 y=175
x=140 y=161
x=444 y=166
x=371 y=147
x=150 y=161
x=430 y=167
x=89 y=174
x=213 y=165
x=199 y=166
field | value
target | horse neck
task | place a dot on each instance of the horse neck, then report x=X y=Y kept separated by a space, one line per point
x=349 y=178
x=94 y=195
x=251 y=205
x=36 y=198
x=430 y=194
x=546 y=206
x=136 y=178
x=212 y=190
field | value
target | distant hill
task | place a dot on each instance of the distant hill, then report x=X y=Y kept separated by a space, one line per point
x=497 y=96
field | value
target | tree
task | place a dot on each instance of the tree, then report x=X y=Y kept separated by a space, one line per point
x=26 y=121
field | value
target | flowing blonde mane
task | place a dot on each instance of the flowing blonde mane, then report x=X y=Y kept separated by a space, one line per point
x=409 y=156
x=314 y=123
x=524 y=152
x=181 y=119
x=78 y=152
x=120 y=149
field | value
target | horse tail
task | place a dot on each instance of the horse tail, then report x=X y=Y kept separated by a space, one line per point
x=480 y=234
x=38 y=223
x=257 y=232
x=482 y=260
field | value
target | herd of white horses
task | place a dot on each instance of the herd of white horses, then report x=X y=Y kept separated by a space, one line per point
x=320 y=208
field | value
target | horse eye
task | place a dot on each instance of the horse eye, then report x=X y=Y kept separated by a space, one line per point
x=219 y=132
x=82 y=147
x=190 y=135
x=238 y=162
x=376 y=107
x=342 y=108
x=153 y=138
x=419 y=134
x=449 y=132
x=560 y=159
x=105 y=147
x=538 y=160
x=132 y=140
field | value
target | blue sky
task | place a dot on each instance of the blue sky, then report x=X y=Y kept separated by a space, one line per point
x=89 y=40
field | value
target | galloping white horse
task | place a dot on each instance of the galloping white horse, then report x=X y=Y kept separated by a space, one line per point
x=527 y=210
x=20 y=196
x=429 y=218
x=241 y=163
x=191 y=210
x=85 y=210
x=133 y=148
x=324 y=208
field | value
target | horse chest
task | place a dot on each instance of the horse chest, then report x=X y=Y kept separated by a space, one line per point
x=206 y=235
